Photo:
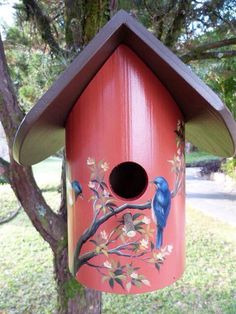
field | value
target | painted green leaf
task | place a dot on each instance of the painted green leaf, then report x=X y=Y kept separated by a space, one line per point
x=135 y=216
x=137 y=228
x=111 y=209
x=121 y=277
x=104 y=185
x=95 y=181
x=105 y=252
x=157 y=266
x=128 y=286
x=95 y=192
x=93 y=241
x=110 y=204
x=118 y=272
x=137 y=283
x=105 y=278
x=140 y=223
x=111 y=282
x=146 y=282
x=119 y=282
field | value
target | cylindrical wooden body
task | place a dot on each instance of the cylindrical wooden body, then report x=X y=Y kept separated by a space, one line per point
x=124 y=131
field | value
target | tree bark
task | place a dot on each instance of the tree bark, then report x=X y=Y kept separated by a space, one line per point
x=83 y=19
x=177 y=23
x=73 y=297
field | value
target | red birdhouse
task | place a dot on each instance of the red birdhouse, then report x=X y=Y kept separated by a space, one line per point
x=123 y=105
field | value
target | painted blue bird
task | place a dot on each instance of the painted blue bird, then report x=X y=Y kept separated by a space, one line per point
x=161 y=203
x=77 y=188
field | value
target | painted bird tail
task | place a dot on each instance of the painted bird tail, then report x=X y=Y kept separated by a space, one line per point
x=159 y=237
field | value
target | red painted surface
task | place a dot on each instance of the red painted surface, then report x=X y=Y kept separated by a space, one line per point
x=125 y=114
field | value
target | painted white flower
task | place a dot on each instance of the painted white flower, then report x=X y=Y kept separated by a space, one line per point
x=169 y=248
x=104 y=235
x=146 y=220
x=105 y=166
x=178 y=159
x=160 y=256
x=107 y=264
x=106 y=193
x=91 y=185
x=131 y=233
x=128 y=286
x=90 y=161
x=134 y=275
x=144 y=244
x=124 y=230
x=179 y=151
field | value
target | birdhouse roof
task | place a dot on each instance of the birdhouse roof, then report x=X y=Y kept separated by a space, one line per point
x=209 y=124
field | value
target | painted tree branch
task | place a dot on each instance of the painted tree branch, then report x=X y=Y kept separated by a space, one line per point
x=179 y=161
x=83 y=259
x=97 y=223
x=50 y=226
x=178 y=179
x=178 y=183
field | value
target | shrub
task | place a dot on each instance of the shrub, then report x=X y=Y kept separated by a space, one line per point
x=229 y=167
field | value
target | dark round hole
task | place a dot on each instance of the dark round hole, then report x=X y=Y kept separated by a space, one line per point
x=128 y=180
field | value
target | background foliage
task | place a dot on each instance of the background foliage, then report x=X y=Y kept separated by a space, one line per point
x=48 y=34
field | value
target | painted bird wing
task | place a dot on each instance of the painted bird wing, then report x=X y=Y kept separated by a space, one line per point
x=161 y=205
x=77 y=188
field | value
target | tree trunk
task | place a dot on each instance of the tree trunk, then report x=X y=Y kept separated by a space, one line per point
x=83 y=19
x=73 y=298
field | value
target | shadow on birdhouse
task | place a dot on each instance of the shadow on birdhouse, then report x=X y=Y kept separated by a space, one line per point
x=123 y=106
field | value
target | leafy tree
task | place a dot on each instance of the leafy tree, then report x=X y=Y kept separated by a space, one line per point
x=220 y=76
x=46 y=37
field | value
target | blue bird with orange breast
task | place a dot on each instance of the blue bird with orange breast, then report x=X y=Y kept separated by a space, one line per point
x=161 y=203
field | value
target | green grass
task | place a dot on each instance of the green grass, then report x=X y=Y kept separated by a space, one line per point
x=208 y=284
x=26 y=271
x=199 y=156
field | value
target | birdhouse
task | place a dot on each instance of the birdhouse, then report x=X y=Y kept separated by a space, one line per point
x=122 y=109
